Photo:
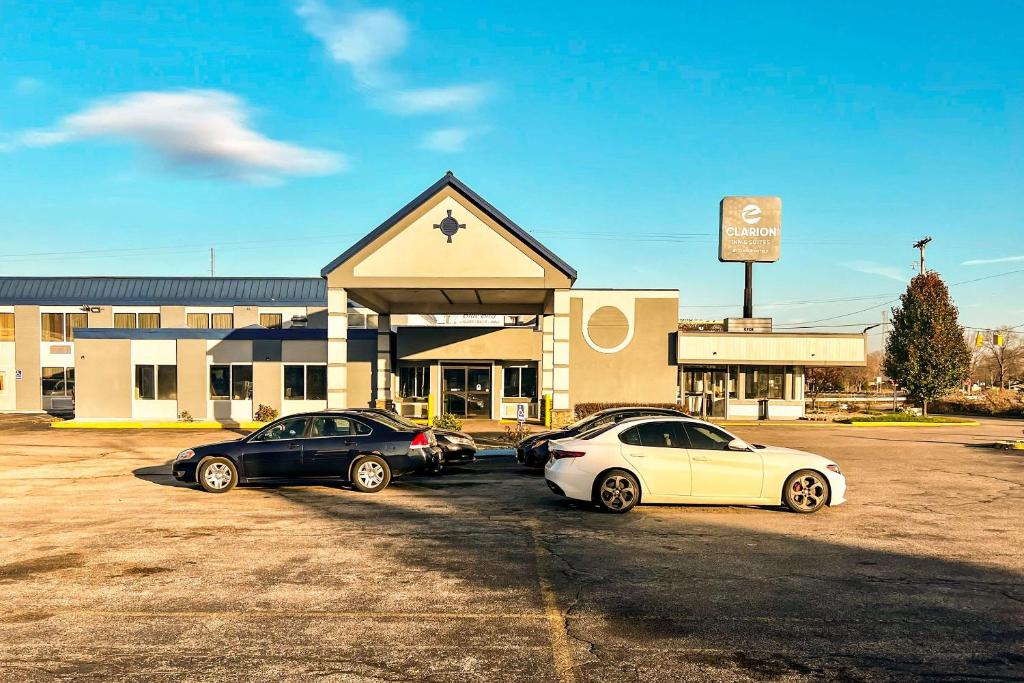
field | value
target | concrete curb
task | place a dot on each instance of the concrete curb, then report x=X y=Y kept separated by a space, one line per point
x=143 y=424
x=966 y=423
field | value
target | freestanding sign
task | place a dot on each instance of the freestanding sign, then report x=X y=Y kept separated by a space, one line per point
x=520 y=413
x=750 y=229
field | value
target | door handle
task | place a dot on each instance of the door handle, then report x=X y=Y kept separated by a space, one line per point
x=294 y=445
x=635 y=455
x=700 y=458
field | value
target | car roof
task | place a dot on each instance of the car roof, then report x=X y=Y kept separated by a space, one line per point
x=652 y=409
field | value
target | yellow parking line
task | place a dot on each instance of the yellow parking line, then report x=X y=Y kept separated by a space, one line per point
x=290 y=614
x=565 y=669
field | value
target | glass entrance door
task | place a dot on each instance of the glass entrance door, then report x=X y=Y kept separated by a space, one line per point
x=467 y=391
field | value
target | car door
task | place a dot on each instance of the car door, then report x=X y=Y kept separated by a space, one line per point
x=719 y=472
x=658 y=451
x=332 y=443
x=276 y=452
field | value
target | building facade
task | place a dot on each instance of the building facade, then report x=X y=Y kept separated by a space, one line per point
x=448 y=306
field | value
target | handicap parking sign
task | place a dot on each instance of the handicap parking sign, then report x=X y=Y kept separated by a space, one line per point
x=521 y=412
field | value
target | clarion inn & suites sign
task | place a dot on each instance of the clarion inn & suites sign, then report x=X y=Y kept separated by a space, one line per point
x=750 y=229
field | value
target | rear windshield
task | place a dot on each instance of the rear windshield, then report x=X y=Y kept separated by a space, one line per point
x=596 y=431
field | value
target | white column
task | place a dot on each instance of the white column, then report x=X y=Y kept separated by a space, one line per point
x=384 y=369
x=337 y=348
x=560 y=352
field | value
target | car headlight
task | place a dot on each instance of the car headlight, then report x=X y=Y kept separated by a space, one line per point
x=185 y=455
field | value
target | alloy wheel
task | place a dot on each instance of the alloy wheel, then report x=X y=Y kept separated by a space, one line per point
x=808 y=492
x=617 y=492
x=370 y=474
x=218 y=476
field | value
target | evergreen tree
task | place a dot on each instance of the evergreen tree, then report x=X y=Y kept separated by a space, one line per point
x=927 y=353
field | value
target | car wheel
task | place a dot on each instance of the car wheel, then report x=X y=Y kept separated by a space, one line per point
x=617 y=491
x=371 y=474
x=805 y=491
x=217 y=475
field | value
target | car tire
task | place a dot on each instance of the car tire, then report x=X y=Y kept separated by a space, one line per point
x=616 y=491
x=217 y=475
x=806 y=491
x=370 y=474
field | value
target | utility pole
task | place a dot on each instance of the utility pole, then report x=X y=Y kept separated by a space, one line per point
x=920 y=245
x=213 y=262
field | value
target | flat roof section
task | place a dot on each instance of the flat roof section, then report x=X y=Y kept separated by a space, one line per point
x=254 y=333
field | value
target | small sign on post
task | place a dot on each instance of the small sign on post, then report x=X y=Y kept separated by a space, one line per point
x=520 y=413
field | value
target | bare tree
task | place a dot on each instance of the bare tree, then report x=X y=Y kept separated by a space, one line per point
x=1007 y=359
x=822 y=379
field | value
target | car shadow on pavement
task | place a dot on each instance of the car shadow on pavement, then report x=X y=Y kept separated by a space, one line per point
x=655 y=593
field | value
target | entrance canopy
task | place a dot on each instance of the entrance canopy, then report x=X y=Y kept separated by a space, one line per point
x=450 y=251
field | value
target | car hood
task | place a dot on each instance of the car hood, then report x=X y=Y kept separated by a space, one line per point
x=781 y=452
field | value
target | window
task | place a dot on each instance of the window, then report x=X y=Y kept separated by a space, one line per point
x=662 y=435
x=58 y=381
x=706 y=438
x=337 y=426
x=6 y=327
x=166 y=380
x=222 y=321
x=356 y=321
x=521 y=382
x=53 y=327
x=156 y=382
x=292 y=428
x=272 y=321
x=198 y=321
x=630 y=436
x=414 y=381
x=765 y=382
x=143 y=321
x=241 y=382
x=3 y=382
x=305 y=382
x=220 y=382
x=145 y=382
x=73 y=321
x=149 y=321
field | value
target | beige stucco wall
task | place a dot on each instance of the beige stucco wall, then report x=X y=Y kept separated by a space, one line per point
x=361 y=369
x=468 y=343
x=772 y=349
x=172 y=316
x=102 y=318
x=28 y=391
x=192 y=377
x=266 y=385
x=103 y=378
x=644 y=370
x=246 y=315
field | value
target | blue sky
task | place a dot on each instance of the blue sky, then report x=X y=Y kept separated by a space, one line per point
x=280 y=132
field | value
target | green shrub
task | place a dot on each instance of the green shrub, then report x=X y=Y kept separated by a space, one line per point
x=265 y=413
x=584 y=409
x=447 y=421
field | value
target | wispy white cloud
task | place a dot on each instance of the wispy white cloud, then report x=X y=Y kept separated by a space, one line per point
x=447 y=139
x=872 y=268
x=27 y=85
x=986 y=261
x=204 y=130
x=365 y=40
x=429 y=100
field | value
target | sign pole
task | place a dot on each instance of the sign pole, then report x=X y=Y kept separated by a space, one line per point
x=748 y=289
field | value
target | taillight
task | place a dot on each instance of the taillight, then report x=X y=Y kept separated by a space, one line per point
x=558 y=455
x=420 y=441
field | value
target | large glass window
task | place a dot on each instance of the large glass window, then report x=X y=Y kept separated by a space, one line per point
x=6 y=327
x=198 y=321
x=58 y=381
x=241 y=382
x=53 y=326
x=272 y=321
x=145 y=382
x=521 y=382
x=414 y=382
x=220 y=382
x=143 y=321
x=125 y=321
x=73 y=321
x=149 y=321
x=765 y=382
x=305 y=382
x=222 y=321
x=167 y=382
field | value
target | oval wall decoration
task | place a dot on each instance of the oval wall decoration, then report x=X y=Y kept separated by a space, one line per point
x=608 y=328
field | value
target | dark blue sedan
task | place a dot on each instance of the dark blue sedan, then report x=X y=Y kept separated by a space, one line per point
x=367 y=450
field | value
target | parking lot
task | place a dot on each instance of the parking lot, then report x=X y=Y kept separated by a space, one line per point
x=111 y=569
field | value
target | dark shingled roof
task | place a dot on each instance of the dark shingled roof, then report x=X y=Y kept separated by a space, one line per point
x=169 y=291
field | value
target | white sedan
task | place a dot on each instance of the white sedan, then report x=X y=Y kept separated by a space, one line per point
x=683 y=460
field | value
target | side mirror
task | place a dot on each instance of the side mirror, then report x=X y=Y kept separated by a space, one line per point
x=738 y=445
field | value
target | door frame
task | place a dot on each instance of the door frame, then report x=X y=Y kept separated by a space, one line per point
x=465 y=394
